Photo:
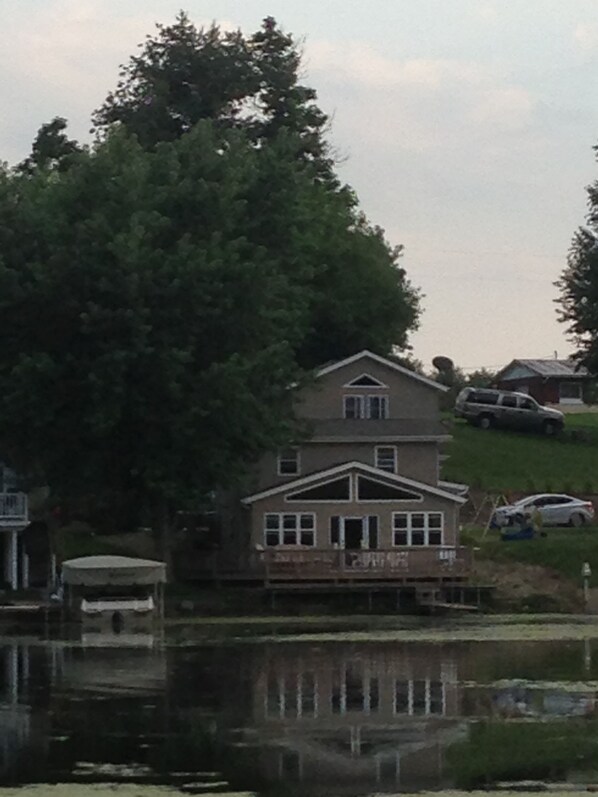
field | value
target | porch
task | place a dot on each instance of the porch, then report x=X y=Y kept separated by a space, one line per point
x=312 y=566
x=14 y=560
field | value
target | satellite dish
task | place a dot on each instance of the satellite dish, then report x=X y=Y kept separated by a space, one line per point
x=443 y=363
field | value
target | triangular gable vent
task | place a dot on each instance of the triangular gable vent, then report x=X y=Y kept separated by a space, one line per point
x=365 y=380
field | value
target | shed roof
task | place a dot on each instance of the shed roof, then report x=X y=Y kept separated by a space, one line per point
x=549 y=368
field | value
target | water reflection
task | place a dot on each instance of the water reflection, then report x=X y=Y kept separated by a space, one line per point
x=334 y=718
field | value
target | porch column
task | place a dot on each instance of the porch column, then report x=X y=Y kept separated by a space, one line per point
x=24 y=568
x=13 y=562
x=6 y=544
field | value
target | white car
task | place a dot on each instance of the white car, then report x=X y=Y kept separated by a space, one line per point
x=555 y=509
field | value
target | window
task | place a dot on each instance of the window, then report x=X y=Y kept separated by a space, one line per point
x=570 y=390
x=292 y=528
x=386 y=458
x=509 y=401
x=288 y=462
x=374 y=490
x=373 y=407
x=527 y=404
x=291 y=695
x=377 y=407
x=417 y=528
x=353 y=407
x=481 y=397
x=336 y=490
x=424 y=697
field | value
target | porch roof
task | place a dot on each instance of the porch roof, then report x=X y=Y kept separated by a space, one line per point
x=383 y=430
x=347 y=467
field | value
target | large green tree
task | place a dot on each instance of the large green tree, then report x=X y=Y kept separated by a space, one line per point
x=578 y=285
x=359 y=296
x=149 y=335
x=161 y=289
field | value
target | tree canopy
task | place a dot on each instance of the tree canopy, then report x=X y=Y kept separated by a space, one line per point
x=578 y=285
x=161 y=289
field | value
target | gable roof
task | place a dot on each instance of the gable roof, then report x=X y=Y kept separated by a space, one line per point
x=369 y=355
x=312 y=478
x=549 y=368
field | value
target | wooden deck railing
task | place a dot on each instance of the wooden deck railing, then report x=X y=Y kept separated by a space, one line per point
x=13 y=509
x=293 y=564
x=396 y=563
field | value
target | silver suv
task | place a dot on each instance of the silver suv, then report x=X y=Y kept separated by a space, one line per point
x=486 y=408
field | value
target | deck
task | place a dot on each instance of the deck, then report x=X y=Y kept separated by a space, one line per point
x=334 y=566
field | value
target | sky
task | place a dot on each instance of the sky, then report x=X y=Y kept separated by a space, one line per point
x=466 y=128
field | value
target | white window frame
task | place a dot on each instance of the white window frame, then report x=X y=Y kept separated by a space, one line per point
x=296 y=459
x=278 y=527
x=359 y=406
x=377 y=458
x=383 y=400
x=409 y=529
x=412 y=684
x=364 y=404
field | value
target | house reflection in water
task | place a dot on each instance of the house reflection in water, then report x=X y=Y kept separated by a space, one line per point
x=23 y=718
x=346 y=716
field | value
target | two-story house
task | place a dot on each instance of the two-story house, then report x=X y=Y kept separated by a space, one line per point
x=362 y=498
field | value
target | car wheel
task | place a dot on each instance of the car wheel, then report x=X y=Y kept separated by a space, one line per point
x=550 y=428
x=485 y=421
x=577 y=520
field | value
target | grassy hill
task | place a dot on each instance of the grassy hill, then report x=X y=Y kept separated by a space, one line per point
x=502 y=462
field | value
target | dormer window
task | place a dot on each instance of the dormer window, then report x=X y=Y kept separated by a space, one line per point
x=288 y=462
x=374 y=407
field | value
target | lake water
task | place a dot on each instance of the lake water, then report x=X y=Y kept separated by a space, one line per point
x=240 y=710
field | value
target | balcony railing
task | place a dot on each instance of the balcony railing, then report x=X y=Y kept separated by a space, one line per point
x=13 y=509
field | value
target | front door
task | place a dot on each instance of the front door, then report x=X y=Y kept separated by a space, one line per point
x=352 y=536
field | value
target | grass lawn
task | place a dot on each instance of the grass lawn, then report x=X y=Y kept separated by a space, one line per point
x=505 y=461
x=563 y=550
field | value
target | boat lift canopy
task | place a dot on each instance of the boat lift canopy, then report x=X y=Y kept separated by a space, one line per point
x=103 y=571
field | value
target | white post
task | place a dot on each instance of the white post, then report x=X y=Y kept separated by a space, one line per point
x=586 y=573
x=6 y=574
x=24 y=568
x=13 y=556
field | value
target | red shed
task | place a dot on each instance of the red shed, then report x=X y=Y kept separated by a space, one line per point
x=548 y=381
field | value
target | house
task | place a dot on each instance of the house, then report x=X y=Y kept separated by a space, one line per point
x=548 y=381
x=14 y=519
x=361 y=498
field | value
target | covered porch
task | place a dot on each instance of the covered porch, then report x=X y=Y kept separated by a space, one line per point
x=14 y=559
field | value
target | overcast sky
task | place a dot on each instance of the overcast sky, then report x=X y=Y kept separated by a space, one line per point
x=466 y=128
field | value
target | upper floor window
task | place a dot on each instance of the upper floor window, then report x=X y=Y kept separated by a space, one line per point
x=374 y=407
x=288 y=462
x=386 y=458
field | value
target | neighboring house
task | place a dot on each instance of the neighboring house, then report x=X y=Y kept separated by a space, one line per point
x=548 y=381
x=362 y=497
x=14 y=518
